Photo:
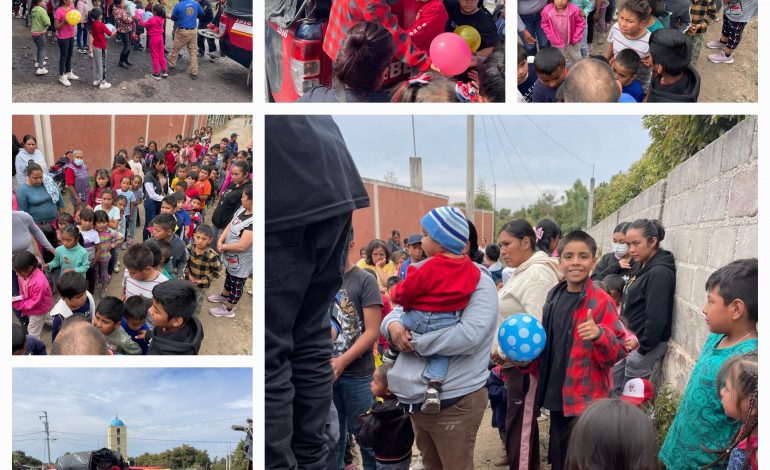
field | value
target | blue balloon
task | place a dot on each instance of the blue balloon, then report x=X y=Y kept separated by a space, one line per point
x=147 y=15
x=521 y=337
x=111 y=27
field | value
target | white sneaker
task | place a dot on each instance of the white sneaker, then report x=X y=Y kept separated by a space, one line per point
x=97 y=82
x=104 y=86
x=63 y=80
x=37 y=65
x=41 y=71
x=72 y=76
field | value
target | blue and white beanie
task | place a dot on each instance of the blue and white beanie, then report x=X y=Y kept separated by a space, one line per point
x=448 y=226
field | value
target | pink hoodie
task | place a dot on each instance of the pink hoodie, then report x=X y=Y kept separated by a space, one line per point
x=154 y=25
x=36 y=294
x=576 y=25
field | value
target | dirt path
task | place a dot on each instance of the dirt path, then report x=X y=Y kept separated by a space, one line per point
x=220 y=80
x=229 y=336
x=724 y=83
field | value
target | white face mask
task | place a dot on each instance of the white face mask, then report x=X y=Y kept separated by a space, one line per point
x=620 y=249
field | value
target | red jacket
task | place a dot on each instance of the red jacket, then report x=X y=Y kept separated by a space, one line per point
x=423 y=21
x=600 y=354
x=118 y=175
x=440 y=284
x=345 y=14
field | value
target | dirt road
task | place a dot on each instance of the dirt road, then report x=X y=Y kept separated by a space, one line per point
x=723 y=83
x=220 y=80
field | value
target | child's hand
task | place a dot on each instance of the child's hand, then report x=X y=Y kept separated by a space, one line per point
x=589 y=331
x=647 y=60
x=624 y=263
x=631 y=344
x=528 y=37
x=141 y=334
x=70 y=270
x=45 y=266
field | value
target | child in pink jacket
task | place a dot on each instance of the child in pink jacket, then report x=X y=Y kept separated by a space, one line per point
x=154 y=27
x=564 y=23
x=34 y=299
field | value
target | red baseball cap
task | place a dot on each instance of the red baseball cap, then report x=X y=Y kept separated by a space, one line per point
x=637 y=391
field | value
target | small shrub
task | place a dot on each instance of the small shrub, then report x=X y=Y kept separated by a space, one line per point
x=663 y=411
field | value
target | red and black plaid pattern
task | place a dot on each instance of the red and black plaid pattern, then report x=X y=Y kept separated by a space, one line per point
x=347 y=13
x=234 y=285
x=733 y=31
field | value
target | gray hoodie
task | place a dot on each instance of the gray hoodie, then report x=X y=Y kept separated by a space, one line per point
x=528 y=7
x=468 y=343
x=740 y=11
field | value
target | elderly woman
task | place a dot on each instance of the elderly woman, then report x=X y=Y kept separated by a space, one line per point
x=463 y=395
x=536 y=272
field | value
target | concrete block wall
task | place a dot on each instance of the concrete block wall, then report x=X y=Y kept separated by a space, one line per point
x=708 y=206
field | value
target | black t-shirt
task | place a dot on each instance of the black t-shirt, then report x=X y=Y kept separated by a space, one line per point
x=682 y=87
x=481 y=20
x=561 y=312
x=527 y=87
x=310 y=175
x=542 y=93
x=359 y=290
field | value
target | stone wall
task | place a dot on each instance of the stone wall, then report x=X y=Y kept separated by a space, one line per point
x=708 y=206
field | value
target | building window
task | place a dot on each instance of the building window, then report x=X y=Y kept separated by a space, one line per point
x=118 y=431
x=118 y=440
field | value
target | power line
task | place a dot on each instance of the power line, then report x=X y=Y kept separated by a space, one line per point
x=28 y=434
x=505 y=154
x=569 y=152
x=489 y=151
x=518 y=155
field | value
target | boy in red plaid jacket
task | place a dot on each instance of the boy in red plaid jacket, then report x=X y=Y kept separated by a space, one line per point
x=346 y=14
x=584 y=341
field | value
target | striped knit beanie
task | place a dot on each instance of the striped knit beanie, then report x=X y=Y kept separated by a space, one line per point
x=448 y=226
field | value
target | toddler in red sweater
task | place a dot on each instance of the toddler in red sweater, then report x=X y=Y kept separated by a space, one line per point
x=435 y=291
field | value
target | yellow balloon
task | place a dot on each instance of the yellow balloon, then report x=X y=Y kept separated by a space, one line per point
x=73 y=17
x=471 y=36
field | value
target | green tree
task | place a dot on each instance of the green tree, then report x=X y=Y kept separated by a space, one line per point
x=184 y=456
x=673 y=139
x=20 y=458
x=483 y=198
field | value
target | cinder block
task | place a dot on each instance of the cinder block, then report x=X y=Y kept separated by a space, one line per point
x=743 y=194
x=746 y=242
x=740 y=144
x=721 y=247
x=698 y=295
x=684 y=280
x=698 y=247
x=714 y=203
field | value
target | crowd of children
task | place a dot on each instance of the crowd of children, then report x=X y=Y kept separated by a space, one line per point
x=167 y=271
x=99 y=20
x=650 y=53
x=595 y=422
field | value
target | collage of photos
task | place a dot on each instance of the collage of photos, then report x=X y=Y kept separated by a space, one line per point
x=416 y=286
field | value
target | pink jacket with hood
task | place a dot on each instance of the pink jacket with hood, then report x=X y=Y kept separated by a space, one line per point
x=575 y=27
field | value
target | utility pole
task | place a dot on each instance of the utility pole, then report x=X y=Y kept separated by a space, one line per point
x=469 y=178
x=47 y=435
x=227 y=462
x=589 y=220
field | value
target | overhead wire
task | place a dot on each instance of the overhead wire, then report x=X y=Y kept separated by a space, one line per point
x=505 y=154
x=518 y=155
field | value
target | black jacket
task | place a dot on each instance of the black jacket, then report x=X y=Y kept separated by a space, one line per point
x=689 y=96
x=387 y=429
x=228 y=204
x=649 y=300
x=186 y=341
x=610 y=265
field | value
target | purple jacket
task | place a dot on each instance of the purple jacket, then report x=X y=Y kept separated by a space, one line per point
x=575 y=27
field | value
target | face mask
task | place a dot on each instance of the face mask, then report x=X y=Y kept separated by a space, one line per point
x=78 y=161
x=620 y=249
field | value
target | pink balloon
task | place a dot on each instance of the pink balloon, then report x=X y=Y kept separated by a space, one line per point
x=450 y=53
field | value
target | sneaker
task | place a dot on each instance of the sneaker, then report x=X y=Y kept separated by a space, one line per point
x=72 y=76
x=222 y=312
x=194 y=77
x=117 y=263
x=123 y=246
x=41 y=71
x=156 y=76
x=389 y=356
x=97 y=82
x=164 y=74
x=720 y=58
x=615 y=16
x=716 y=44
x=104 y=86
x=501 y=462
x=432 y=403
x=37 y=65
x=216 y=299
x=63 y=80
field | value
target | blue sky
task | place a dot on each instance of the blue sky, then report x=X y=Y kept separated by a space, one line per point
x=171 y=404
x=382 y=144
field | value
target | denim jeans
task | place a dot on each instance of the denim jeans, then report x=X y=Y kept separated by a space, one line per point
x=151 y=209
x=532 y=23
x=353 y=397
x=303 y=272
x=82 y=35
x=394 y=466
x=417 y=321
x=40 y=43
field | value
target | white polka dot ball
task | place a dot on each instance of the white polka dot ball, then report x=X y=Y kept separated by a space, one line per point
x=521 y=337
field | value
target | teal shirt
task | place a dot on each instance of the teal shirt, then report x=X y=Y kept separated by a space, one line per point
x=656 y=26
x=35 y=201
x=76 y=258
x=700 y=420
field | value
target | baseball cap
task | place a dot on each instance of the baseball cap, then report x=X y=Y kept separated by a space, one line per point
x=637 y=391
x=414 y=238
